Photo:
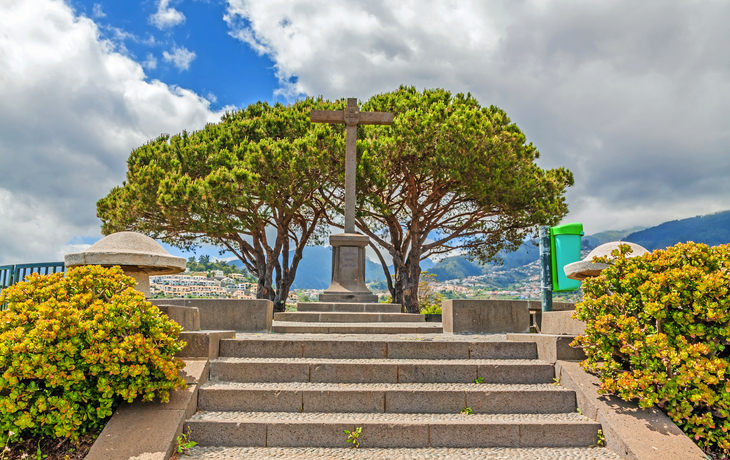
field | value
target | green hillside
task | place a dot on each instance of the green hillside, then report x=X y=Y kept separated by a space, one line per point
x=597 y=239
x=712 y=229
x=455 y=267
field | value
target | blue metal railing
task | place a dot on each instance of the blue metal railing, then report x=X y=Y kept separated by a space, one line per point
x=12 y=274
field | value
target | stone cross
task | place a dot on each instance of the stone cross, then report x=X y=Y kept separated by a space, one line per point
x=352 y=117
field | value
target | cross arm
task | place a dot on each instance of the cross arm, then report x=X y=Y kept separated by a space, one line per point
x=327 y=116
x=376 y=118
x=338 y=116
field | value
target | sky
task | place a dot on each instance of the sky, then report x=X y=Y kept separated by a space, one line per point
x=632 y=97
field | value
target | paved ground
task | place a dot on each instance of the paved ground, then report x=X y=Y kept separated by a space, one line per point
x=260 y=453
x=376 y=337
x=386 y=418
x=323 y=386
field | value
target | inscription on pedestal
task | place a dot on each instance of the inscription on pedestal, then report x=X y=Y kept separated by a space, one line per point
x=348 y=257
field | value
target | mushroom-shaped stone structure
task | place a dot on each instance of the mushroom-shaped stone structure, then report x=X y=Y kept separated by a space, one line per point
x=139 y=256
x=587 y=269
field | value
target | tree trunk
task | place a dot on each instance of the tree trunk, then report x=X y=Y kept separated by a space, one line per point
x=410 y=284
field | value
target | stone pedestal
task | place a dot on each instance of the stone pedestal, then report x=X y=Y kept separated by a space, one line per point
x=348 y=270
x=138 y=255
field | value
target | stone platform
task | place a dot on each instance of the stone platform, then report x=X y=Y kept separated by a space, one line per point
x=348 y=317
x=351 y=318
x=349 y=307
x=299 y=327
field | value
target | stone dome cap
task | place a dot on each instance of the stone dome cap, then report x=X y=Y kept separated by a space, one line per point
x=587 y=269
x=132 y=251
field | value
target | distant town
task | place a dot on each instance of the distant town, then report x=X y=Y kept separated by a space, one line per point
x=215 y=284
x=237 y=284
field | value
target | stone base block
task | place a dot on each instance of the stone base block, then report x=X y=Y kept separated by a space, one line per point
x=561 y=323
x=203 y=344
x=350 y=317
x=187 y=317
x=485 y=316
x=348 y=297
x=551 y=348
x=229 y=314
x=349 y=307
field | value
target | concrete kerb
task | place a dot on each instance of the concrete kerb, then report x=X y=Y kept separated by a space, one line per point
x=229 y=314
x=561 y=323
x=187 y=317
x=149 y=431
x=485 y=316
x=631 y=432
x=551 y=347
x=203 y=344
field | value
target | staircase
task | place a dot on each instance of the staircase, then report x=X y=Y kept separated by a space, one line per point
x=293 y=395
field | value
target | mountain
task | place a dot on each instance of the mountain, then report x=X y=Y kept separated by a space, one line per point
x=712 y=229
x=315 y=269
x=455 y=267
x=597 y=239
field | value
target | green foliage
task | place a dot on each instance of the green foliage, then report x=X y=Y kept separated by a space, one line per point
x=353 y=437
x=450 y=174
x=479 y=380
x=265 y=168
x=203 y=264
x=429 y=301
x=600 y=439
x=183 y=443
x=431 y=310
x=467 y=411
x=657 y=331
x=72 y=348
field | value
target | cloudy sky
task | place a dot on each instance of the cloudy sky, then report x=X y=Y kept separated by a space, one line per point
x=633 y=97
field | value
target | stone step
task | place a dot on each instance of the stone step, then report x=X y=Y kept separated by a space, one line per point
x=431 y=453
x=285 y=429
x=278 y=346
x=348 y=317
x=292 y=327
x=321 y=370
x=349 y=307
x=435 y=398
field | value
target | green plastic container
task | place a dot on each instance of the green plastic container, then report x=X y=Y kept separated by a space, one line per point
x=564 y=250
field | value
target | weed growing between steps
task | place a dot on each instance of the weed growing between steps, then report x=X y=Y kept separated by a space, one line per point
x=183 y=443
x=658 y=330
x=72 y=348
x=353 y=437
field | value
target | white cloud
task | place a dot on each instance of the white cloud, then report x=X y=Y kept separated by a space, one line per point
x=166 y=16
x=71 y=110
x=180 y=57
x=97 y=12
x=635 y=100
x=150 y=62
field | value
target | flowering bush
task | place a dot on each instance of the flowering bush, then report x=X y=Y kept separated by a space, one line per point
x=657 y=331
x=72 y=348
